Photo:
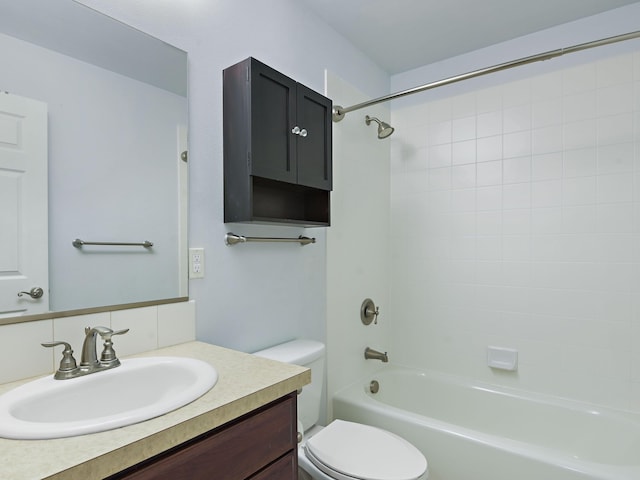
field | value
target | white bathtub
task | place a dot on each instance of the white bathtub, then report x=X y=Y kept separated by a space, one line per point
x=470 y=431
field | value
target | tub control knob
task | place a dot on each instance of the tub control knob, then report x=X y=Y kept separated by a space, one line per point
x=369 y=312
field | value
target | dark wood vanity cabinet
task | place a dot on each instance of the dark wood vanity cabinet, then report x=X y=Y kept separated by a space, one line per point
x=258 y=446
x=277 y=148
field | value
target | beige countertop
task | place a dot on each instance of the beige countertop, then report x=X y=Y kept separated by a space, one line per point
x=245 y=383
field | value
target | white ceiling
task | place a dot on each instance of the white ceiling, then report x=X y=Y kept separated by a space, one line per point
x=400 y=35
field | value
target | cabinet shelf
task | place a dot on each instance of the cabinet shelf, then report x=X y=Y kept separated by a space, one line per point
x=281 y=202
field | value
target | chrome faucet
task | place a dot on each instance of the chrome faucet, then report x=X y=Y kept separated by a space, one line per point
x=89 y=362
x=89 y=357
x=371 y=354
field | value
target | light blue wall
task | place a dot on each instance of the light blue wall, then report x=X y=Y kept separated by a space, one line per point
x=256 y=294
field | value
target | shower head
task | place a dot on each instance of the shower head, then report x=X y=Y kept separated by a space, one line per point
x=384 y=129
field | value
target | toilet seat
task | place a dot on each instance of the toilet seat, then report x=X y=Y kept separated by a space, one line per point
x=352 y=451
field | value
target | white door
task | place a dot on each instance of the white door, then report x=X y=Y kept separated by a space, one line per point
x=24 y=258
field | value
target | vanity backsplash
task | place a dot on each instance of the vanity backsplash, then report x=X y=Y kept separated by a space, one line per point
x=158 y=326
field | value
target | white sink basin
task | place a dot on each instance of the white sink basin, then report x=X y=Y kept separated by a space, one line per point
x=137 y=390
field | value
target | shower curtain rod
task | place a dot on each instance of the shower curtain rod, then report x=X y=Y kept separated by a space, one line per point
x=339 y=111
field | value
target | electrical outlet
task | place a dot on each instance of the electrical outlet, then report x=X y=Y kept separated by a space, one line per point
x=196 y=263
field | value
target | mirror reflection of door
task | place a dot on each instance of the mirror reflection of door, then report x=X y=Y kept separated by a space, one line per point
x=183 y=209
x=24 y=216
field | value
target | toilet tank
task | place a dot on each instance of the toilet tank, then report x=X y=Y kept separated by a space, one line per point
x=310 y=354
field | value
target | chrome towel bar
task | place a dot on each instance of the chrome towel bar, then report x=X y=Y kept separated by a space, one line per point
x=146 y=244
x=233 y=239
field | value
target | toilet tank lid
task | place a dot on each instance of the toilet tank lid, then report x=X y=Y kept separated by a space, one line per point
x=298 y=352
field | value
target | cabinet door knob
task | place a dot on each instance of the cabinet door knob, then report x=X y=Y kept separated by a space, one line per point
x=303 y=132
x=295 y=130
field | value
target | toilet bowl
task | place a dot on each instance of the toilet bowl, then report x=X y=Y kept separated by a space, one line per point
x=342 y=450
x=348 y=451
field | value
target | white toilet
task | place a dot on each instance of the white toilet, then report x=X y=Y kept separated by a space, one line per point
x=342 y=450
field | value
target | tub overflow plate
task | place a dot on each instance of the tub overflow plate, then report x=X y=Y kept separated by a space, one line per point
x=374 y=386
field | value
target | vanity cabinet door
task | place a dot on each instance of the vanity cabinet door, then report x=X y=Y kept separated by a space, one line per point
x=290 y=129
x=259 y=446
x=272 y=116
x=314 y=149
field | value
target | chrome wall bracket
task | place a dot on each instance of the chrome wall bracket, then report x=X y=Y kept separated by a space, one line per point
x=338 y=113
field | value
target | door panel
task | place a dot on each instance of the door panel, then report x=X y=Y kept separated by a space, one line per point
x=314 y=150
x=272 y=116
x=23 y=188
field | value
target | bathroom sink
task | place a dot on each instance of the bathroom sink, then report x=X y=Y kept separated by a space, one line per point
x=137 y=390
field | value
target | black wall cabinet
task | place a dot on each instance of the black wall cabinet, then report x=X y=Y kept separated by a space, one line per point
x=277 y=148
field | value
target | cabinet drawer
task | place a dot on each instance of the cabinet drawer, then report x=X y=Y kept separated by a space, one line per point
x=284 y=469
x=231 y=452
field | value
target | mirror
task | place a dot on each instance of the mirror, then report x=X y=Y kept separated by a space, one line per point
x=115 y=113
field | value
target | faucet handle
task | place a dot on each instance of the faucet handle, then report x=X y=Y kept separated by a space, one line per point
x=107 y=335
x=101 y=330
x=68 y=364
x=369 y=312
x=108 y=356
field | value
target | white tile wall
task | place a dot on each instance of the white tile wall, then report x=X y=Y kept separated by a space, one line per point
x=526 y=231
x=22 y=356
x=175 y=325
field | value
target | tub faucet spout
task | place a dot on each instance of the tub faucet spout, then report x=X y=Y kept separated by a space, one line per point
x=371 y=354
